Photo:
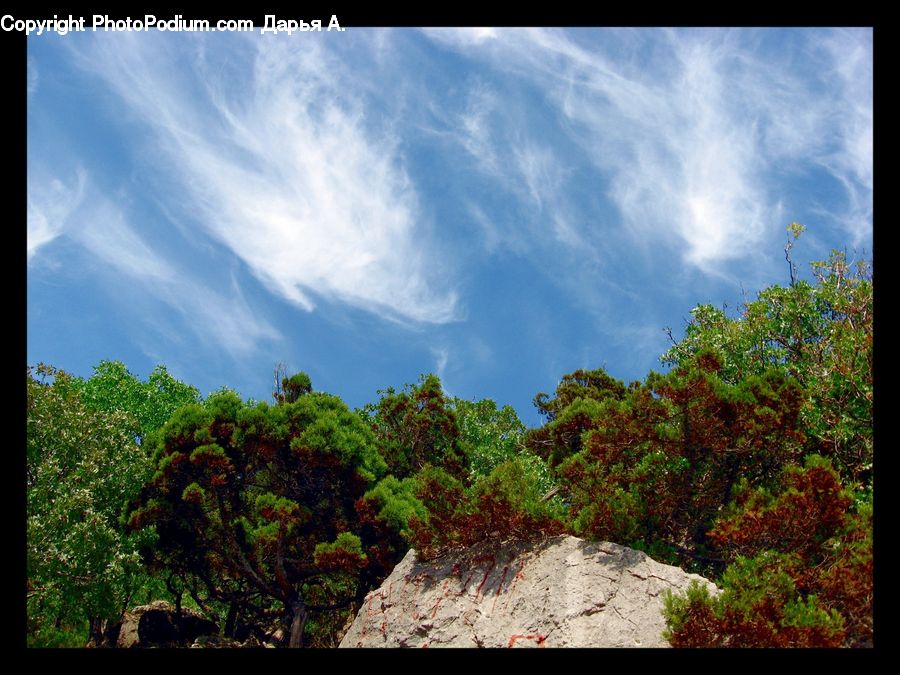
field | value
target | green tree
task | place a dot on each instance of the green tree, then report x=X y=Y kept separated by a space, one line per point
x=659 y=463
x=705 y=465
x=387 y=513
x=292 y=388
x=507 y=503
x=82 y=466
x=495 y=435
x=417 y=427
x=113 y=387
x=801 y=572
x=574 y=409
x=820 y=334
x=439 y=504
x=143 y=407
x=258 y=504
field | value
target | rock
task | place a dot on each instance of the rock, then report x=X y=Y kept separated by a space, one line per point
x=156 y=625
x=215 y=642
x=219 y=642
x=561 y=592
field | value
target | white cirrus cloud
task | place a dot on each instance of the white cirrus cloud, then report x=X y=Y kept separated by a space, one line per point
x=51 y=202
x=282 y=164
x=441 y=358
x=103 y=230
x=852 y=124
x=219 y=314
x=692 y=131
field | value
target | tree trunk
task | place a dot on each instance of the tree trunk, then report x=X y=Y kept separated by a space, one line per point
x=95 y=631
x=231 y=619
x=298 y=623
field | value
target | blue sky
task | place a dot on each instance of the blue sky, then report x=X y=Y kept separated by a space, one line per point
x=498 y=206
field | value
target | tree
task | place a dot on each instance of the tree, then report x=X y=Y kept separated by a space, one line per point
x=495 y=435
x=289 y=389
x=507 y=503
x=574 y=410
x=798 y=546
x=82 y=466
x=464 y=475
x=718 y=464
x=820 y=334
x=659 y=464
x=801 y=572
x=113 y=387
x=417 y=427
x=256 y=504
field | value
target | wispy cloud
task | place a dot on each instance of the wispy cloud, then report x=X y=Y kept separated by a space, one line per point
x=33 y=77
x=678 y=160
x=852 y=120
x=281 y=163
x=104 y=231
x=466 y=36
x=212 y=315
x=50 y=203
x=490 y=232
x=526 y=167
x=539 y=170
x=691 y=133
x=474 y=130
x=441 y=357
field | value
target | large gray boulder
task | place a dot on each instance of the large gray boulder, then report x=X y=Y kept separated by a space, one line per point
x=560 y=592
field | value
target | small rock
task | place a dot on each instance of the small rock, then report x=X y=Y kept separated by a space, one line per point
x=157 y=625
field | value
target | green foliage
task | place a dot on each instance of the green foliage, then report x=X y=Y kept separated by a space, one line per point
x=576 y=408
x=750 y=461
x=492 y=434
x=293 y=388
x=345 y=553
x=46 y=634
x=704 y=466
x=495 y=435
x=82 y=467
x=801 y=572
x=809 y=510
x=796 y=229
x=396 y=502
x=416 y=427
x=659 y=463
x=113 y=387
x=460 y=473
x=257 y=504
x=511 y=500
x=760 y=606
x=819 y=334
x=386 y=513
x=505 y=504
x=581 y=384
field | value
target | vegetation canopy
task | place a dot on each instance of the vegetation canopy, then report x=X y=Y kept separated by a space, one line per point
x=749 y=460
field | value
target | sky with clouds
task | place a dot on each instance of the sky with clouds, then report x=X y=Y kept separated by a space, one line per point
x=498 y=206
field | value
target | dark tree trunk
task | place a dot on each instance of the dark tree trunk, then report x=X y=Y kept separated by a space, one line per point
x=95 y=631
x=298 y=623
x=178 y=618
x=231 y=619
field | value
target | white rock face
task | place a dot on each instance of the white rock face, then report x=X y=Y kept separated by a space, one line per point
x=560 y=592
